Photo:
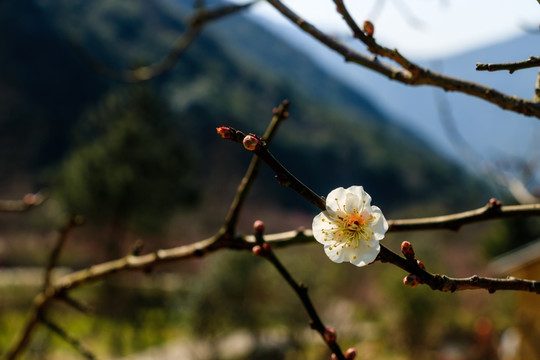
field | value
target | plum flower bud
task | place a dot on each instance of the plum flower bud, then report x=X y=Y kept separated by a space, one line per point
x=350 y=354
x=411 y=280
x=407 y=250
x=30 y=199
x=369 y=29
x=261 y=250
x=257 y=250
x=421 y=264
x=258 y=227
x=330 y=335
x=225 y=132
x=252 y=142
x=494 y=203
x=350 y=228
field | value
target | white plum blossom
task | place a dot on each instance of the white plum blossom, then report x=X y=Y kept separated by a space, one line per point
x=350 y=228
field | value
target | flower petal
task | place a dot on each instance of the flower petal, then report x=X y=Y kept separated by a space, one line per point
x=335 y=253
x=379 y=225
x=320 y=226
x=368 y=255
x=361 y=194
x=335 y=199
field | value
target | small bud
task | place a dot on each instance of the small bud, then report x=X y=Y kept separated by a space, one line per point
x=225 y=132
x=333 y=357
x=30 y=199
x=261 y=250
x=494 y=203
x=330 y=335
x=350 y=354
x=258 y=227
x=252 y=142
x=421 y=264
x=369 y=29
x=257 y=250
x=407 y=250
x=411 y=280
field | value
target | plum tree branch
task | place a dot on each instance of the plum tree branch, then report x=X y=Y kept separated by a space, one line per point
x=195 y=24
x=408 y=72
x=531 y=62
x=28 y=202
x=280 y=114
x=435 y=281
x=302 y=293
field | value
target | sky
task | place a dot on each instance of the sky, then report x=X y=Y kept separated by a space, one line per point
x=420 y=28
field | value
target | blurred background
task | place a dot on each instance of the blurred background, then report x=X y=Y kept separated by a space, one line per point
x=142 y=161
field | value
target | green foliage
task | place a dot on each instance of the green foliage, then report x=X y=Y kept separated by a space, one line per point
x=509 y=234
x=132 y=169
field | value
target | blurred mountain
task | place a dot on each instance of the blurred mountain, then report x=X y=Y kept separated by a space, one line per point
x=234 y=74
x=484 y=127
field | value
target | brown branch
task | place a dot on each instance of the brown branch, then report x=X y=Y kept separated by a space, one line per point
x=219 y=241
x=456 y=221
x=537 y=88
x=222 y=239
x=436 y=282
x=280 y=114
x=55 y=253
x=302 y=292
x=448 y=284
x=68 y=338
x=531 y=62
x=196 y=23
x=408 y=73
x=28 y=202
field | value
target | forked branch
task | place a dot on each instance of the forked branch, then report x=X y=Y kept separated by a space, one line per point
x=407 y=72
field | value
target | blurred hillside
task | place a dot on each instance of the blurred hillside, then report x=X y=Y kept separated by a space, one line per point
x=219 y=81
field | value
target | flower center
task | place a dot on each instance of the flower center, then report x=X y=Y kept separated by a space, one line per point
x=349 y=228
x=353 y=227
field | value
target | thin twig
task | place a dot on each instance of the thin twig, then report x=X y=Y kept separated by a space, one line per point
x=28 y=202
x=196 y=23
x=55 y=253
x=408 y=72
x=302 y=292
x=77 y=345
x=457 y=220
x=537 y=88
x=281 y=113
x=531 y=62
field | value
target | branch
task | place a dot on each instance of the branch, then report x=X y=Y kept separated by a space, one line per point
x=55 y=253
x=280 y=114
x=537 y=88
x=302 y=292
x=533 y=61
x=196 y=24
x=28 y=202
x=493 y=210
x=68 y=338
x=448 y=284
x=436 y=282
x=408 y=72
